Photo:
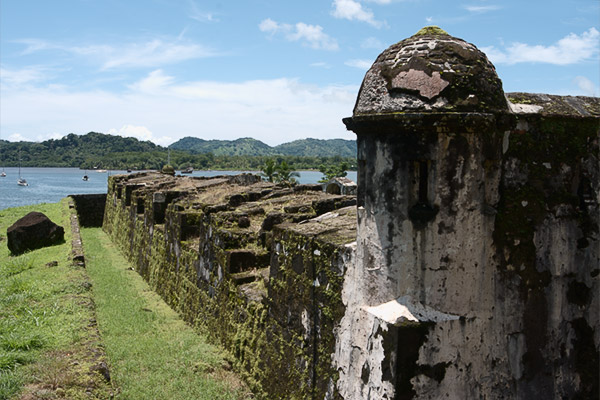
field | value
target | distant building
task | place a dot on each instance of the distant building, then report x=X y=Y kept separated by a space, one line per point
x=340 y=185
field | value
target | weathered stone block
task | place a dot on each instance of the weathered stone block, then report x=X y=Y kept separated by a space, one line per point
x=33 y=231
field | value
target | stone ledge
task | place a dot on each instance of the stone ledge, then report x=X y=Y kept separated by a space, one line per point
x=77 y=255
x=405 y=310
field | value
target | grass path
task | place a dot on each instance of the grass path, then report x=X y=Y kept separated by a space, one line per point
x=152 y=353
x=49 y=348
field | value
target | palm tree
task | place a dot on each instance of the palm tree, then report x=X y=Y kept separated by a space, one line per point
x=285 y=174
x=268 y=171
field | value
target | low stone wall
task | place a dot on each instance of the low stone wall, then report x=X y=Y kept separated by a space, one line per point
x=77 y=254
x=258 y=266
x=90 y=208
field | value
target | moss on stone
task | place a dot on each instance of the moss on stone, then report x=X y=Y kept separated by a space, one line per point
x=168 y=170
x=431 y=30
x=261 y=321
x=547 y=148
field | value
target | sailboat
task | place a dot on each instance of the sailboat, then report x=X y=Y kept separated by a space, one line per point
x=3 y=174
x=21 y=181
x=85 y=176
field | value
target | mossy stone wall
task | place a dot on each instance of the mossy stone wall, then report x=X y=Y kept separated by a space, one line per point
x=272 y=299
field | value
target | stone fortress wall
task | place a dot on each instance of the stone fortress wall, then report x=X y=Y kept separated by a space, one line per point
x=257 y=266
x=466 y=266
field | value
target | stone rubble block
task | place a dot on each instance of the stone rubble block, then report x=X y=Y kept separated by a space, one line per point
x=33 y=231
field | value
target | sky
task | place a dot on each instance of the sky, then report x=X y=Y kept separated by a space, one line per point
x=273 y=70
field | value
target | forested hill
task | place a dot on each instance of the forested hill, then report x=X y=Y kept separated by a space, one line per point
x=238 y=147
x=253 y=147
x=318 y=148
x=97 y=150
x=71 y=150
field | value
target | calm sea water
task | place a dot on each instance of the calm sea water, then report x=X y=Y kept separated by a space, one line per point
x=49 y=185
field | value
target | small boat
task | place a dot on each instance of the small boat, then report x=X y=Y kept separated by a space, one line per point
x=101 y=170
x=85 y=177
x=3 y=174
x=21 y=181
x=188 y=170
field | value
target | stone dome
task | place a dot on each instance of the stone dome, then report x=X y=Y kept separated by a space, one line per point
x=431 y=72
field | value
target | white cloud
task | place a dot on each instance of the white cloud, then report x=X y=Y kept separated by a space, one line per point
x=270 y=26
x=360 y=64
x=151 y=53
x=162 y=110
x=154 y=53
x=34 y=45
x=17 y=137
x=46 y=136
x=153 y=83
x=353 y=10
x=372 y=43
x=586 y=86
x=199 y=15
x=311 y=35
x=571 y=49
x=481 y=9
x=320 y=64
x=141 y=133
x=23 y=76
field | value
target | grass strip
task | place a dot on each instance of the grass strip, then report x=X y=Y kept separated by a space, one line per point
x=45 y=311
x=153 y=354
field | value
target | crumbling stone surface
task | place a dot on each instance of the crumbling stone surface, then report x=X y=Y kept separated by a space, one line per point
x=258 y=264
x=553 y=105
x=488 y=216
x=35 y=230
x=431 y=72
x=77 y=254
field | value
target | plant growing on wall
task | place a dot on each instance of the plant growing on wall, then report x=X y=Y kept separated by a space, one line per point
x=333 y=171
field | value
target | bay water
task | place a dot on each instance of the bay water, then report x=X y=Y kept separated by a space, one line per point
x=50 y=185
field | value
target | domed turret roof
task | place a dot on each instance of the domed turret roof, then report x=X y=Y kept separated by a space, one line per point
x=431 y=72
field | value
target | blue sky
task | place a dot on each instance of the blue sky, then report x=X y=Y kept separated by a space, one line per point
x=274 y=70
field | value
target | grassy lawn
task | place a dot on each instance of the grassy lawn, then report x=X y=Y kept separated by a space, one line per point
x=153 y=354
x=47 y=347
x=52 y=313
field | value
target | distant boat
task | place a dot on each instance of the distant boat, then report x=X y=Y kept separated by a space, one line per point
x=188 y=170
x=3 y=174
x=85 y=177
x=21 y=181
x=101 y=170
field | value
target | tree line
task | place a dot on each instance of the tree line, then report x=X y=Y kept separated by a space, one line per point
x=100 y=151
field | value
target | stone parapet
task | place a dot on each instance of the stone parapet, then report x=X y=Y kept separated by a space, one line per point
x=259 y=266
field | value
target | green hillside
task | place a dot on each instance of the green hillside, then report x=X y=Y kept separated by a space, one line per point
x=71 y=150
x=238 y=147
x=318 y=148
x=253 y=147
x=97 y=150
